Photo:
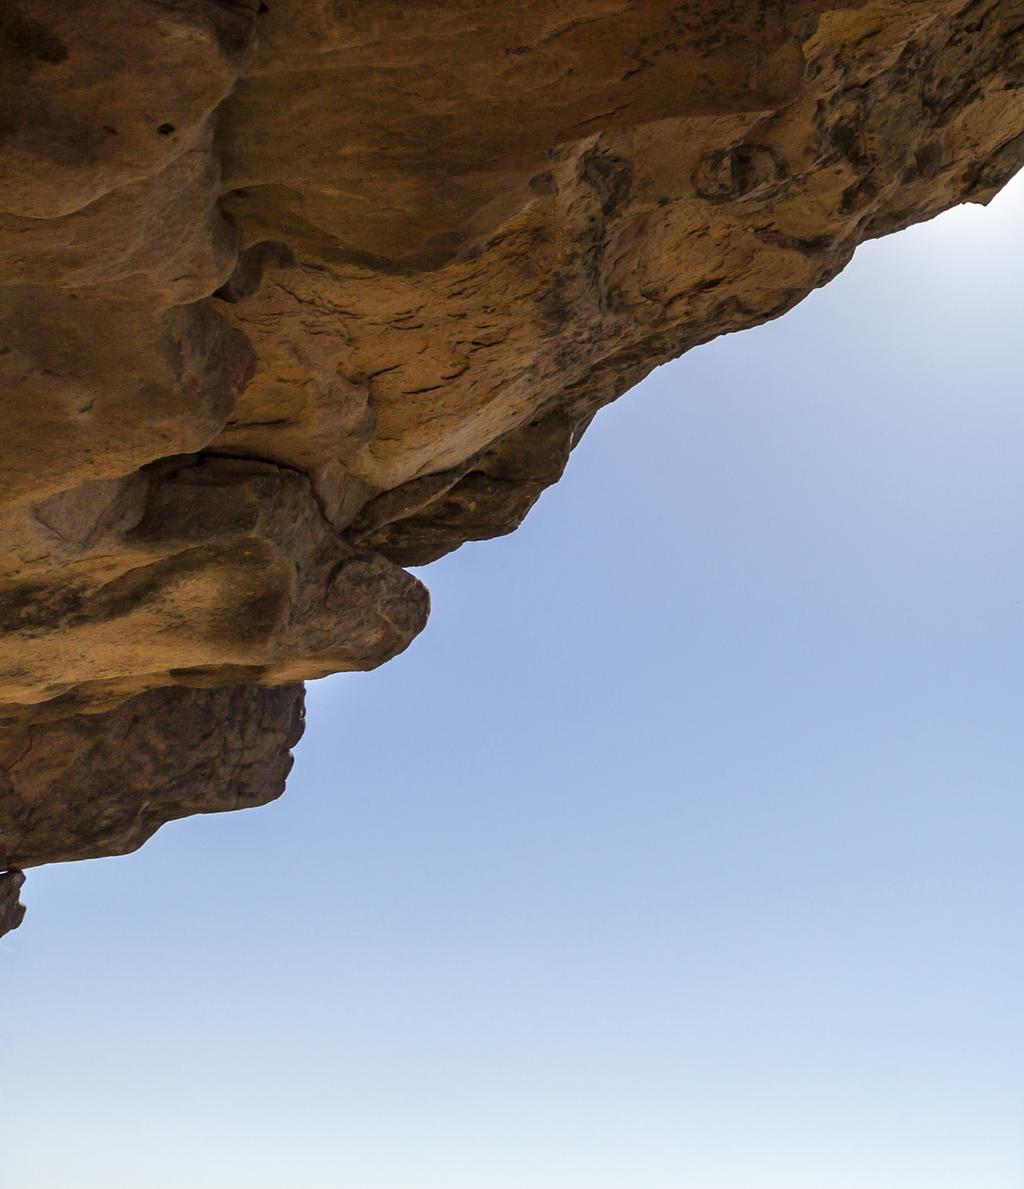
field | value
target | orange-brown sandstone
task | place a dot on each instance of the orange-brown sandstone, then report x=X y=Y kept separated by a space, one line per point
x=296 y=294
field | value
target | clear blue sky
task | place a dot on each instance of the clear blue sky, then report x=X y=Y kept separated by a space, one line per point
x=682 y=851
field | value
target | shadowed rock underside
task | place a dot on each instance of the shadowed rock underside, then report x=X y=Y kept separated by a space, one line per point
x=296 y=294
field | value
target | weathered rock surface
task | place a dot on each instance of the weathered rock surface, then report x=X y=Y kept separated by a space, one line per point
x=12 y=911
x=104 y=782
x=297 y=293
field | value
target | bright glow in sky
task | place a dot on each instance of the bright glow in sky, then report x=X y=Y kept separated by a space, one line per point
x=682 y=851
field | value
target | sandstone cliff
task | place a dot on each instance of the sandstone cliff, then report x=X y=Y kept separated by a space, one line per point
x=296 y=294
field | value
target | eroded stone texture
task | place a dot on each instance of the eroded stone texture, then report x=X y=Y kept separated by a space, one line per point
x=296 y=293
x=92 y=784
x=12 y=911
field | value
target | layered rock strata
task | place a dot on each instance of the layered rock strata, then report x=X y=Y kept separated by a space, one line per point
x=296 y=294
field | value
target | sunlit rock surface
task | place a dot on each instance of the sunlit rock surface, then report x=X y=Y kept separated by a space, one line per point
x=297 y=293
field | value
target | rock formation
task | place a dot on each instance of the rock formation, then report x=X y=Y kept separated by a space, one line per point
x=297 y=293
x=12 y=911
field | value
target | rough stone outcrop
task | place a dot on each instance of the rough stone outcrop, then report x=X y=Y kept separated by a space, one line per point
x=12 y=911
x=101 y=784
x=294 y=294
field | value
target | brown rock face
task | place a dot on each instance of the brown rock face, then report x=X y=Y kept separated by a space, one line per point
x=103 y=783
x=12 y=911
x=294 y=294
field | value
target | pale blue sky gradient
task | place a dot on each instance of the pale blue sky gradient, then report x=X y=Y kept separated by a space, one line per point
x=682 y=851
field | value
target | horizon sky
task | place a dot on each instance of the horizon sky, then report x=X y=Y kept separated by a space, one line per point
x=681 y=850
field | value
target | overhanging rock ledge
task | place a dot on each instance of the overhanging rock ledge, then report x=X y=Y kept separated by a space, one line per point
x=296 y=294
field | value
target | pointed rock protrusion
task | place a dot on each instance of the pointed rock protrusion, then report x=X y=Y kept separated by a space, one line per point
x=12 y=911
